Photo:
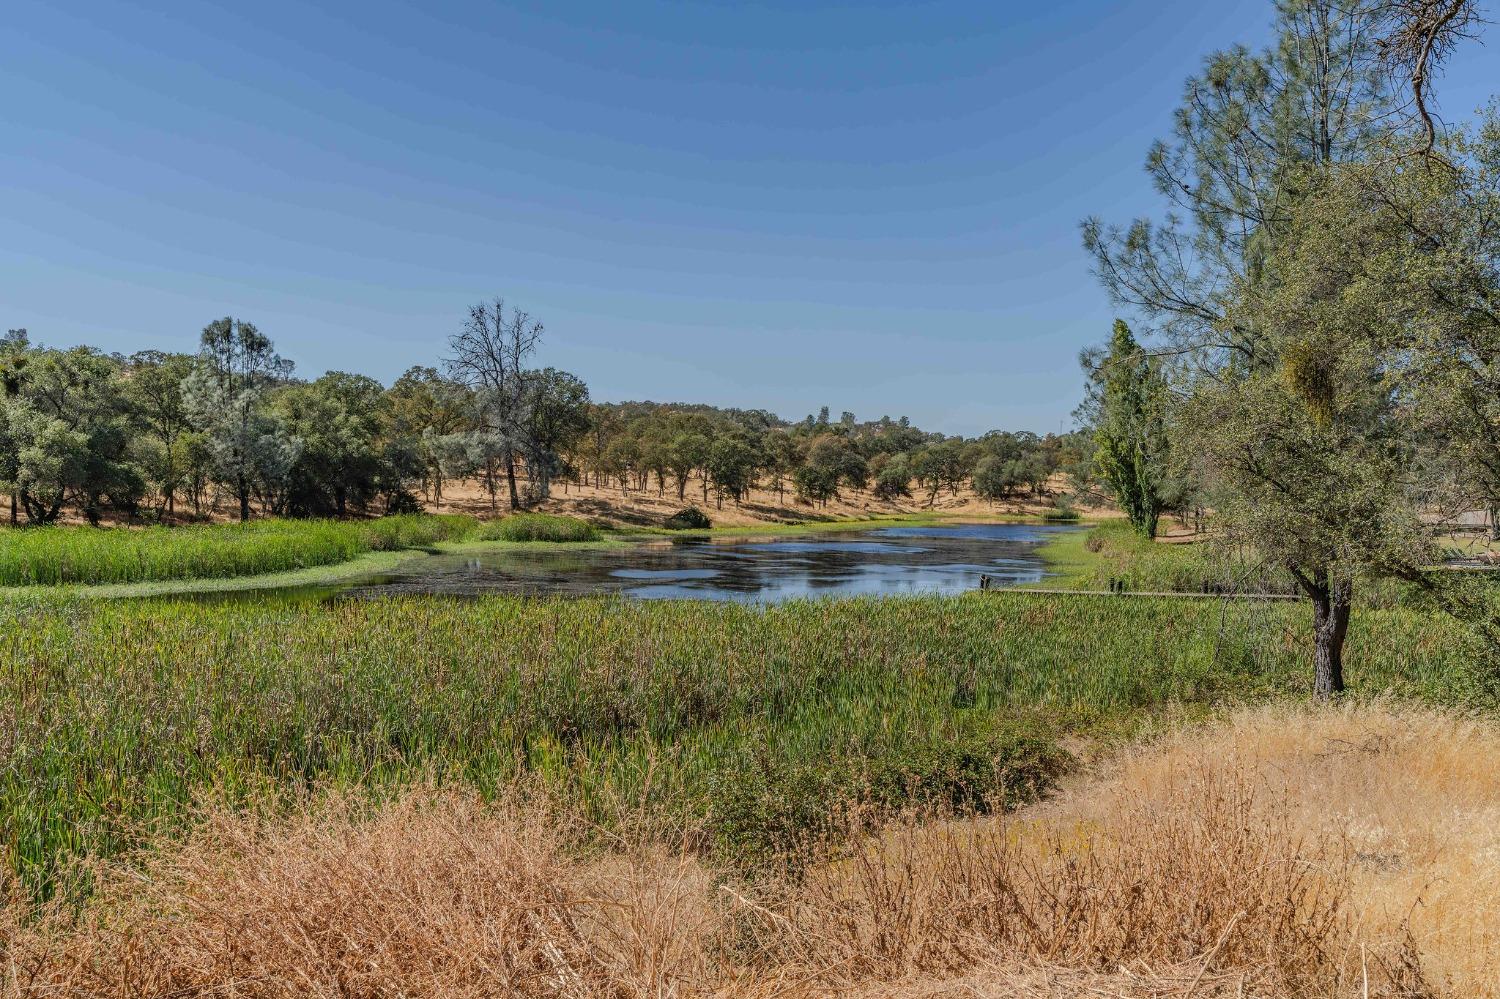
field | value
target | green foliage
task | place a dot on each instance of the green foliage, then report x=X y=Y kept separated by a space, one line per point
x=538 y=527
x=1127 y=407
x=1122 y=556
x=765 y=808
x=731 y=465
x=1062 y=512
x=338 y=422
x=997 y=478
x=67 y=431
x=688 y=519
x=123 y=712
x=54 y=555
x=892 y=475
x=225 y=395
x=1304 y=360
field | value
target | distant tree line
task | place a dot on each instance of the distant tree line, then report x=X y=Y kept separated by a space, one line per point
x=645 y=446
x=156 y=434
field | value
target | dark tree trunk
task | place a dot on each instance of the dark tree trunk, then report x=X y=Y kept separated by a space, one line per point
x=510 y=478
x=1331 y=605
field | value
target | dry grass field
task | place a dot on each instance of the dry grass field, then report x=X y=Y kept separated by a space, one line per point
x=614 y=507
x=1281 y=852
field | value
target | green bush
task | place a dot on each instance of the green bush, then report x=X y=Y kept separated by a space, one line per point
x=1062 y=512
x=538 y=527
x=690 y=519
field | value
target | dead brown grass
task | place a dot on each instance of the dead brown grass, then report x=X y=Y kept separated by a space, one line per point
x=1286 y=852
x=761 y=505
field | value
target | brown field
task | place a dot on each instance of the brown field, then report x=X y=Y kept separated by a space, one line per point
x=1283 y=852
x=613 y=507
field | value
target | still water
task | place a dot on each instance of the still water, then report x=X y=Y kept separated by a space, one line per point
x=934 y=559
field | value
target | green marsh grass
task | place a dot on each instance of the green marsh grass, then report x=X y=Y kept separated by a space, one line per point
x=90 y=555
x=1112 y=553
x=118 y=715
x=538 y=527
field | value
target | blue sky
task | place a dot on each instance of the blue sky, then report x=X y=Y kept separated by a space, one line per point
x=870 y=206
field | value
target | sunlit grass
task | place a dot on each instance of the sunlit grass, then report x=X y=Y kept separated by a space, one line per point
x=61 y=555
x=750 y=719
x=538 y=527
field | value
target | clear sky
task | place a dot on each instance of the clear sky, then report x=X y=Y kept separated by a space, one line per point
x=790 y=203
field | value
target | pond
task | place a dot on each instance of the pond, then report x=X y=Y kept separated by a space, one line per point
x=947 y=558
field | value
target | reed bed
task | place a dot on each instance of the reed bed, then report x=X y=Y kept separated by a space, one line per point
x=115 y=717
x=538 y=527
x=54 y=555
x=1230 y=860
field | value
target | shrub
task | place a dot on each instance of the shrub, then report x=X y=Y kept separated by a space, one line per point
x=539 y=527
x=1062 y=512
x=690 y=519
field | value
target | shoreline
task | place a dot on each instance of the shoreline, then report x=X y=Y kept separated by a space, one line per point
x=373 y=563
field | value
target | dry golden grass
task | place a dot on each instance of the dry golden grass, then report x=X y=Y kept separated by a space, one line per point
x=1414 y=793
x=1286 y=852
x=761 y=505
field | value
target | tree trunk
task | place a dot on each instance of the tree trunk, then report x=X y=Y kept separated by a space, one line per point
x=510 y=478
x=1495 y=523
x=1331 y=606
x=243 y=489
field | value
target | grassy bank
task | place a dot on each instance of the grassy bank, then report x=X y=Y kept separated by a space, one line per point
x=260 y=554
x=750 y=720
x=1112 y=554
x=64 y=555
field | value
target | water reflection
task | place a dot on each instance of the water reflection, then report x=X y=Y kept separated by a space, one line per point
x=892 y=560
